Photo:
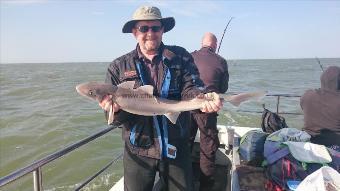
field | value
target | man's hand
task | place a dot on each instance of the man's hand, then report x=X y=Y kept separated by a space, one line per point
x=213 y=105
x=107 y=102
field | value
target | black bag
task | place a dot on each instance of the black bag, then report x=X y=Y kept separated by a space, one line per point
x=272 y=122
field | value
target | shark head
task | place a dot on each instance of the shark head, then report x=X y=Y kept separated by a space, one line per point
x=95 y=90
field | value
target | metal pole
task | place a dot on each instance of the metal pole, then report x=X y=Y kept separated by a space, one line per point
x=37 y=180
x=278 y=104
x=99 y=172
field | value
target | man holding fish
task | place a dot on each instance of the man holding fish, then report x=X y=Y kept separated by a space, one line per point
x=147 y=93
x=154 y=143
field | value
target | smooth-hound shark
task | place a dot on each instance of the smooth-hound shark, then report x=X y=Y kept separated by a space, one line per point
x=141 y=100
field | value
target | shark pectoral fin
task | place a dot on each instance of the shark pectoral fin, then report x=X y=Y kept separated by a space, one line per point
x=127 y=85
x=111 y=116
x=172 y=116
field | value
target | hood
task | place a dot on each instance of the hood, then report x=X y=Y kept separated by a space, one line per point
x=330 y=79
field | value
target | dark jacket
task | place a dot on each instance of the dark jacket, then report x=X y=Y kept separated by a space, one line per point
x=154 y=136
x=213 y=70
x=321 y=108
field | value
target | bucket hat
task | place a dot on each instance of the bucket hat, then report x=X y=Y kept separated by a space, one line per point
x=146 y=13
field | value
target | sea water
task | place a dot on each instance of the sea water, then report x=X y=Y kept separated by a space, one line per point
x=41 y=113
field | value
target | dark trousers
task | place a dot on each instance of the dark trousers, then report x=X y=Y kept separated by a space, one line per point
x=326 y=137
x=207 y=124
x=139 y=171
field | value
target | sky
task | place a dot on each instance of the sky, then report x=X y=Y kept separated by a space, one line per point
x=39 y=31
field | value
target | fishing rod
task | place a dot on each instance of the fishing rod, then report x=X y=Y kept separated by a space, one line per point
x=317 y=59
x=219 y=46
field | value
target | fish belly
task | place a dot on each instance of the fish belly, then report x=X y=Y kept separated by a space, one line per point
x=147 y=107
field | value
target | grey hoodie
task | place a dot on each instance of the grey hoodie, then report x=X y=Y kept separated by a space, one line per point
x=321 y=108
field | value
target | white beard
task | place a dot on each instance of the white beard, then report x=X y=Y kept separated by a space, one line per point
x=151 y=45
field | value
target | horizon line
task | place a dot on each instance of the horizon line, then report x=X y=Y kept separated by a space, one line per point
x=231 y=59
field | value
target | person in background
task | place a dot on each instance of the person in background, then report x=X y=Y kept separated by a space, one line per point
x=213 y=71
x=321 y=109
x=153 y=143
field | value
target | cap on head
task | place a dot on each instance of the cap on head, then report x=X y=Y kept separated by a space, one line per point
x=147 y=13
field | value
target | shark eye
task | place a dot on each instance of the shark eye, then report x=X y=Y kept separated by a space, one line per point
x=90 y=92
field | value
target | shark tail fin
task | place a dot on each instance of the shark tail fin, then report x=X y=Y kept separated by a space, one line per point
x=172 y=116
x=236 y=100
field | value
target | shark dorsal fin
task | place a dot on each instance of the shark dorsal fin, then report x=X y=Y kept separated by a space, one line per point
x=147 y=89
x=127 y=85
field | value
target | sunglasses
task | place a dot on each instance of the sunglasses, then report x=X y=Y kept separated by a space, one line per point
x=144 y=29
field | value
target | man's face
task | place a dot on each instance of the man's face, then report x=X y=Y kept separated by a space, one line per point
x=148 y=35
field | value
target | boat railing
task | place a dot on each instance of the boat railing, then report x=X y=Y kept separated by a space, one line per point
x=36 y=167
x=278 y=98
